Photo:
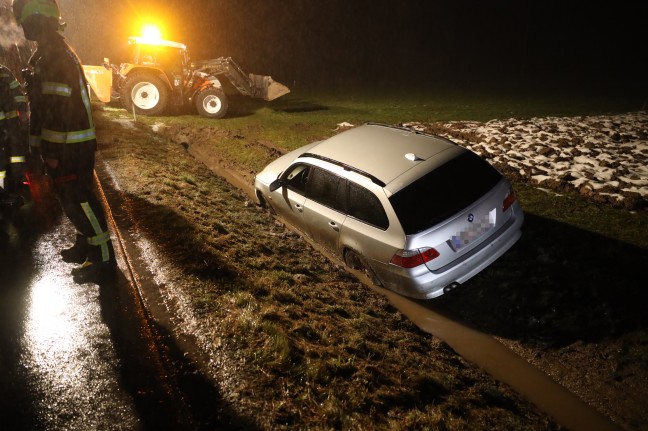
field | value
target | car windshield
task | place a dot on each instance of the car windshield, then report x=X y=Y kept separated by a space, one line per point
x=443 y=192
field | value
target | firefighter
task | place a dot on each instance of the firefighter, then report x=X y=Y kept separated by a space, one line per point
x=62 y=130
x=12 y=148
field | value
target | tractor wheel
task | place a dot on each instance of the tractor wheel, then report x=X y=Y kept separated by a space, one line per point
x=211 y=103
x=145 y=93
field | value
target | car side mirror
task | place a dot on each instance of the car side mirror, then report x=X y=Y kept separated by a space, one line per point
x=276 y=184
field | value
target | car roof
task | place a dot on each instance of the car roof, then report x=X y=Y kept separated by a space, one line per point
x=385 y=152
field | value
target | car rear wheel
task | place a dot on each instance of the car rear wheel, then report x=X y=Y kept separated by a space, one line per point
x=211 y=103
x=354 y=261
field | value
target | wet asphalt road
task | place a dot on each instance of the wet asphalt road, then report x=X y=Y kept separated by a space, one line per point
x=85 y=356
x=60 y=367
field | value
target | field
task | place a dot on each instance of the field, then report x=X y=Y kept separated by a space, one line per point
x=295 y=342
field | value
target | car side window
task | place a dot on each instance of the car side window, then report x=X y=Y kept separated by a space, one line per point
x=297 y=178
x=366 y=207
x=327 y=189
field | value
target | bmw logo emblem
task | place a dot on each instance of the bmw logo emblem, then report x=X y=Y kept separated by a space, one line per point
x=471 y=218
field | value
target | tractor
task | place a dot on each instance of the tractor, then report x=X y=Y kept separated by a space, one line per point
x=160 y=75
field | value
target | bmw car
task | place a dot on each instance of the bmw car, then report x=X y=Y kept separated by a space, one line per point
x=419 y=214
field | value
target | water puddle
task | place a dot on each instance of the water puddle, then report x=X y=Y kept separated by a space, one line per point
x=504 y=365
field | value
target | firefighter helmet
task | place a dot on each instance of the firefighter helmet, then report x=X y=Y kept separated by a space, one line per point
x=23 y=9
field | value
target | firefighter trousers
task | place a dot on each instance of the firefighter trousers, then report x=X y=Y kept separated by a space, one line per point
x=74 y=188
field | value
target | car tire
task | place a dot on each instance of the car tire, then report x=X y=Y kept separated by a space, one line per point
x=260 y=199
x=354 y=261
x=211 y=103
x=262 y=203
x=145 y=93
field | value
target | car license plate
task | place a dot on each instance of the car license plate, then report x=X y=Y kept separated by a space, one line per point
x=477 y=228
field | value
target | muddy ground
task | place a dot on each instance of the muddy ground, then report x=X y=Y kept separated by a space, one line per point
x=591 y=341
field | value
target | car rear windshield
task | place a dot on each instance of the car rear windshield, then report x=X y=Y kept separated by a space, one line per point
x=443 y=192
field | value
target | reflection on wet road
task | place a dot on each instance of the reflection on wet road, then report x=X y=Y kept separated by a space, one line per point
x=89 y=357
x=69 y=346
x=60 y=367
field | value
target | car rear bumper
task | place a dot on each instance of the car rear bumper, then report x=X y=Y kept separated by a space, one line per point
x=422 y=283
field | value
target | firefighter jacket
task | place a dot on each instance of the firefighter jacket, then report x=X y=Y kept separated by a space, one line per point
x=62 y=127
x=12 y=146
x=61 y=123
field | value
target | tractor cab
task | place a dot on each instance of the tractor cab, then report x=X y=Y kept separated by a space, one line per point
x=169 y=58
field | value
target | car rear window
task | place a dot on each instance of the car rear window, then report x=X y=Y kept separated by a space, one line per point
x=443 y=192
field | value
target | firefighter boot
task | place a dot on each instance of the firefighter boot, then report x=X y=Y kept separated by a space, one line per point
x=78 y=252
x=94 y=269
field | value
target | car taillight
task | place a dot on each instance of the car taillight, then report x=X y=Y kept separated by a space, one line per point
x=412 y=258
x=508 y=200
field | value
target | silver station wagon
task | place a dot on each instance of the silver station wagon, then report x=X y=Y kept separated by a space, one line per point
x=418 y=213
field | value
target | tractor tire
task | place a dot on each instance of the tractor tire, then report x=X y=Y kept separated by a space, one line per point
x=145 y=93
x=211 y=103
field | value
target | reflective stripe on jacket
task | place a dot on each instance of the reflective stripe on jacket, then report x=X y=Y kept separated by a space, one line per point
x=12 y=149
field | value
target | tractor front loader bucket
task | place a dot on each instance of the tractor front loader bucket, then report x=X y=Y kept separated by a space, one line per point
x=266 y=88
x=257 y=86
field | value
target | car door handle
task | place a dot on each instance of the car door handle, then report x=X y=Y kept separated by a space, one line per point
x=334 y=226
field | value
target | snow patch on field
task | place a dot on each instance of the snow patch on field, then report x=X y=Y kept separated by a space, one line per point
x=602 y=157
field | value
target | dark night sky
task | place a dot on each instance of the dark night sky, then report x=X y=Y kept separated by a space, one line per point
x=376 y=41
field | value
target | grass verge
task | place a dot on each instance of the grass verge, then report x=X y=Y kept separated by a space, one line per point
x=310 y=347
